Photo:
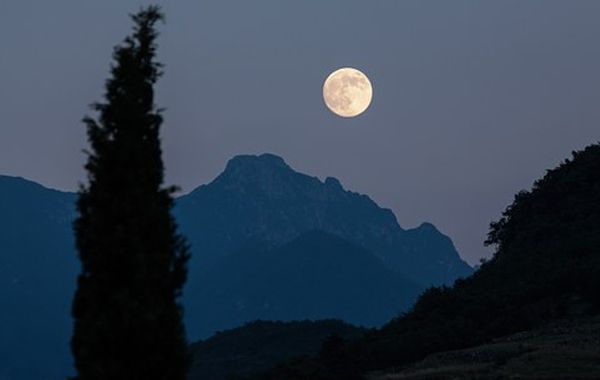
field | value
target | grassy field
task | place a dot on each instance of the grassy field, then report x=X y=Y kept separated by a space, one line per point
x=565 y=350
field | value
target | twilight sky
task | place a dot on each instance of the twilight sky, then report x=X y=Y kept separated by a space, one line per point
x=473 y=100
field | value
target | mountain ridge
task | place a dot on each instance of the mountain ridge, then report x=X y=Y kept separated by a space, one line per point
x=274 y=186
x=273 y=201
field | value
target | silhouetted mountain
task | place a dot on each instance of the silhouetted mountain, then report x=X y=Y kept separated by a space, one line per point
x=37 y=280
x=315 y=276
x=259 y=345
x=545 y=269
x=255 y=206
x=262 y=199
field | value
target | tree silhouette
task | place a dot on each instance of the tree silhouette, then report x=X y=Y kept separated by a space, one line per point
x=128 y=320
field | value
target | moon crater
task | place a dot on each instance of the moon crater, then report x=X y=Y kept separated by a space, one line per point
x=347 y=92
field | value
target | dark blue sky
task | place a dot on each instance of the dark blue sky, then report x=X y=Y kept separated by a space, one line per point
x=473 y=99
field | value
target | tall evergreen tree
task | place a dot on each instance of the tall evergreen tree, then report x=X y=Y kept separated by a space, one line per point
x=128 y=319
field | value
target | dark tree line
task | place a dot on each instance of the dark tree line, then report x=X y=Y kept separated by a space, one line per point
x=128 y=319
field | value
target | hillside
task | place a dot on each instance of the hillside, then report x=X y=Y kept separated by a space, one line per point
x=315 y=276
x=259 y=345
x=561 y=350
x=545 y=269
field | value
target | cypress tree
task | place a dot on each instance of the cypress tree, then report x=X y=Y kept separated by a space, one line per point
x=126 y=310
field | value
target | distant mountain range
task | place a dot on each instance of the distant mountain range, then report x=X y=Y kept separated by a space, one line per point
x=267 y=242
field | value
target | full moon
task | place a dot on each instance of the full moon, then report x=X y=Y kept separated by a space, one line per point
x=347 y=92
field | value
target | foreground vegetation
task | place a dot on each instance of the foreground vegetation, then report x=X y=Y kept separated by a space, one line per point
x=561 y=350
x=259 y=345
x=126 y=309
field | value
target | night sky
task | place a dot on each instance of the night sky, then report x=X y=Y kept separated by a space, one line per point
x=473 y=100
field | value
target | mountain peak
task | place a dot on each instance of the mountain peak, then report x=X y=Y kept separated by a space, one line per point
x=428 y=227
x=264 y=161
x=333 y=183
x=261 y=198
x=251 y=171
x=268 y=176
